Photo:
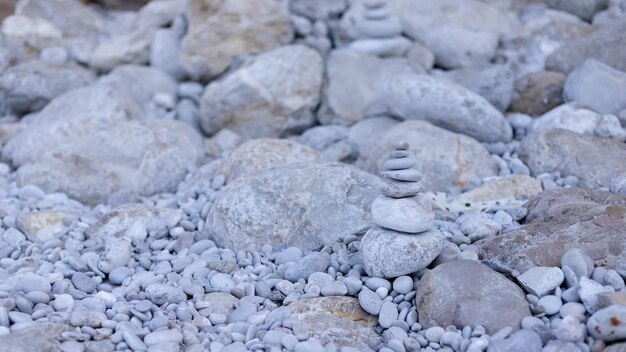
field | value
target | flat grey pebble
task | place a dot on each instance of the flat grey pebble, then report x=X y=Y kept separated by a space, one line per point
x=403 y=284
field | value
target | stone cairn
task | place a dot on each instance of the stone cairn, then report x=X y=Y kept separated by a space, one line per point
x=375 y=30
x=404 y=240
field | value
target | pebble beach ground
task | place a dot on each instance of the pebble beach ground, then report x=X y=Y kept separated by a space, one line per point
x=313 y=175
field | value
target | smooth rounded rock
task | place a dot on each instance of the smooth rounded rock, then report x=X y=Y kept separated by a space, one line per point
x=403 y=284
x=389 y=254
x=464 y=292
x=408 y=215
x=369 y=301
x=551 y=304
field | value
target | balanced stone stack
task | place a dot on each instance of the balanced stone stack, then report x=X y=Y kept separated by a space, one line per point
x=375 y=29
x=404 y=240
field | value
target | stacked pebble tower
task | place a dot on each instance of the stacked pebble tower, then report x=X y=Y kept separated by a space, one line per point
x=375 y=29
x=404 y=240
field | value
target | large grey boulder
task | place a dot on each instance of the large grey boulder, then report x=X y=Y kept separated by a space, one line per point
x=259 y=154
x=591 y=220
x=352 y=84
x=273 y=94
x=118 y=163
x=73 y=18
x=29 y=86
x=467 y=293
x=493 y=82
x=596 y=162
x=543 y=33
x=141 y=83
x=606 y=44
x=578 y=118
x=220 y=31
x=337 y=320
x=459 y=33
x=445 y=158
x=538 y=92
x=38 y=337
x=68 y=117
x=598 y=86
x=445 y=104
x=307 y=205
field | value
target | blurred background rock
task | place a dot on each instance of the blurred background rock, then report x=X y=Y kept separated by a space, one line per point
x=7 y=6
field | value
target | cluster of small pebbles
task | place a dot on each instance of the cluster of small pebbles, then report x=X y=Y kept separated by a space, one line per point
x=313 y=175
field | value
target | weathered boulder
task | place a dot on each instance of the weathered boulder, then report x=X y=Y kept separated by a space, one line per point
x=352 y=84
x=515 y=186
x=459 y=33
x=492 y=82
x=38 y=337
x=595 y=161
x=73 y=18
x=40 y=226
x=538 y=92
x=273 y=94
x=465 y=292
x=306 y=205
x=128 y=48
x=141 y=83
x=220 y=31
x=606 y=44
x=560 y=219
x=578 y=118
x=118 y=163
x=445 y=104
x=338 y=320
x=445 y=158
x=598 y=86
x=264 y=153
x=29 y=86
x=67 y=117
